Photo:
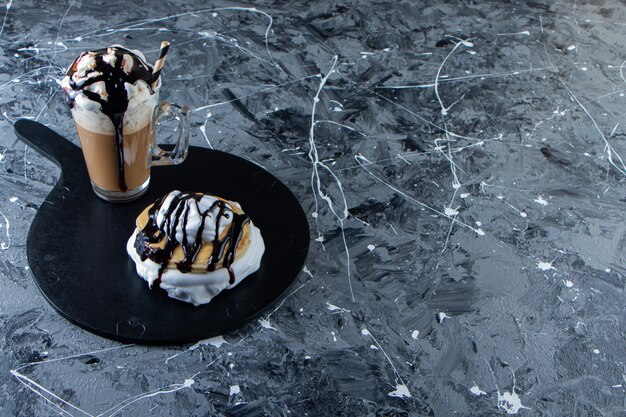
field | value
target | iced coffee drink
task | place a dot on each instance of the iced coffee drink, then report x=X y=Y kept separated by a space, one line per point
x=114 y=99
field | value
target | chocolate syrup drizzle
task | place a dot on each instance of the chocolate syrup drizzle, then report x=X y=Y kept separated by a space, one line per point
x=116 y=103
x=223 y=249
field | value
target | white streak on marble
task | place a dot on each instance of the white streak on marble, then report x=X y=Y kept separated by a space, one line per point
x=422 y=119
x=273 y=87
x=568 y=283
x=541 y=200
x=335 y=308
x=342 y=125
x=465 y=77
x=265 y=321
x=6 y=14
x=15 y=80
x=608 y=148
x=522 y=33
x=42 y=391
x=56 y=41
x=216 y=342
x=110 y=31
x=444 y=109
x=188 y=382
x=316 y=183
x=30 y=384
x=203 y=131
x=621 y=71
x=4 y=245
x=360 y=159
x=401 y=388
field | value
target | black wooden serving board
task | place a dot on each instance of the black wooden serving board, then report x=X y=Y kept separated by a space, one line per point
x=76 y=246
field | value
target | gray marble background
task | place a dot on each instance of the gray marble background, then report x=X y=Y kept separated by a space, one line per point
x=468 y=225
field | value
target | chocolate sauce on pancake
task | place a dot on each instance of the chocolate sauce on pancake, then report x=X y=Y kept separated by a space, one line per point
x=224 y=250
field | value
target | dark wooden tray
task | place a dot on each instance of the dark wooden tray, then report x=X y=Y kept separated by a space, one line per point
x=76 y=246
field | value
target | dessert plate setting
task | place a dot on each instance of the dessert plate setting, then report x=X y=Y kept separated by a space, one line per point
x=76 y=246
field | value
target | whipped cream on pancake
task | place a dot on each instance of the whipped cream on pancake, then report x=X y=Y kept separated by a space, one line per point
x=194 y=246
x=112 y=91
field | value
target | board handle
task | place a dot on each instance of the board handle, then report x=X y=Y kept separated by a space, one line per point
x=48 y=142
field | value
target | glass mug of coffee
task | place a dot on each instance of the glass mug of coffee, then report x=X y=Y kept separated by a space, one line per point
x=114 y=99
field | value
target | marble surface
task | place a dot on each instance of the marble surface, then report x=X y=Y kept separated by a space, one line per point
x=462 y=166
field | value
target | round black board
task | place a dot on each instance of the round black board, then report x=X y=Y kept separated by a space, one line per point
x=76 y=246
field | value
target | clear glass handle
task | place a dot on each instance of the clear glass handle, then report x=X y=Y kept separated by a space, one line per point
x=164 y=115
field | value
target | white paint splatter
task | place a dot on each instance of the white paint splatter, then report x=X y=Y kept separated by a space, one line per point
x=333 y=307
x=415 y=334
x=6 y=245
x=13 y=199
x=234 y=390
x=401 y=392
x=265 y=323
x=510 y=402
x=442 y=316
x=450 y=211
x=523 y=214
x=541 y=200
x=216 y=342
x=477 y=391
x=545 y=266
x=365 y=332
x=525 y=33
x=465 y=195
x=596 y=351
x=568 y=283
x=371 y=247
x=8 y=7
x=373 y=347
x=334 y=337
x=571 y=47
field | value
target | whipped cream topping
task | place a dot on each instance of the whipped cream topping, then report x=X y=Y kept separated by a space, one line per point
x=112 y=91
x=187 y=220
x=108 y=79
